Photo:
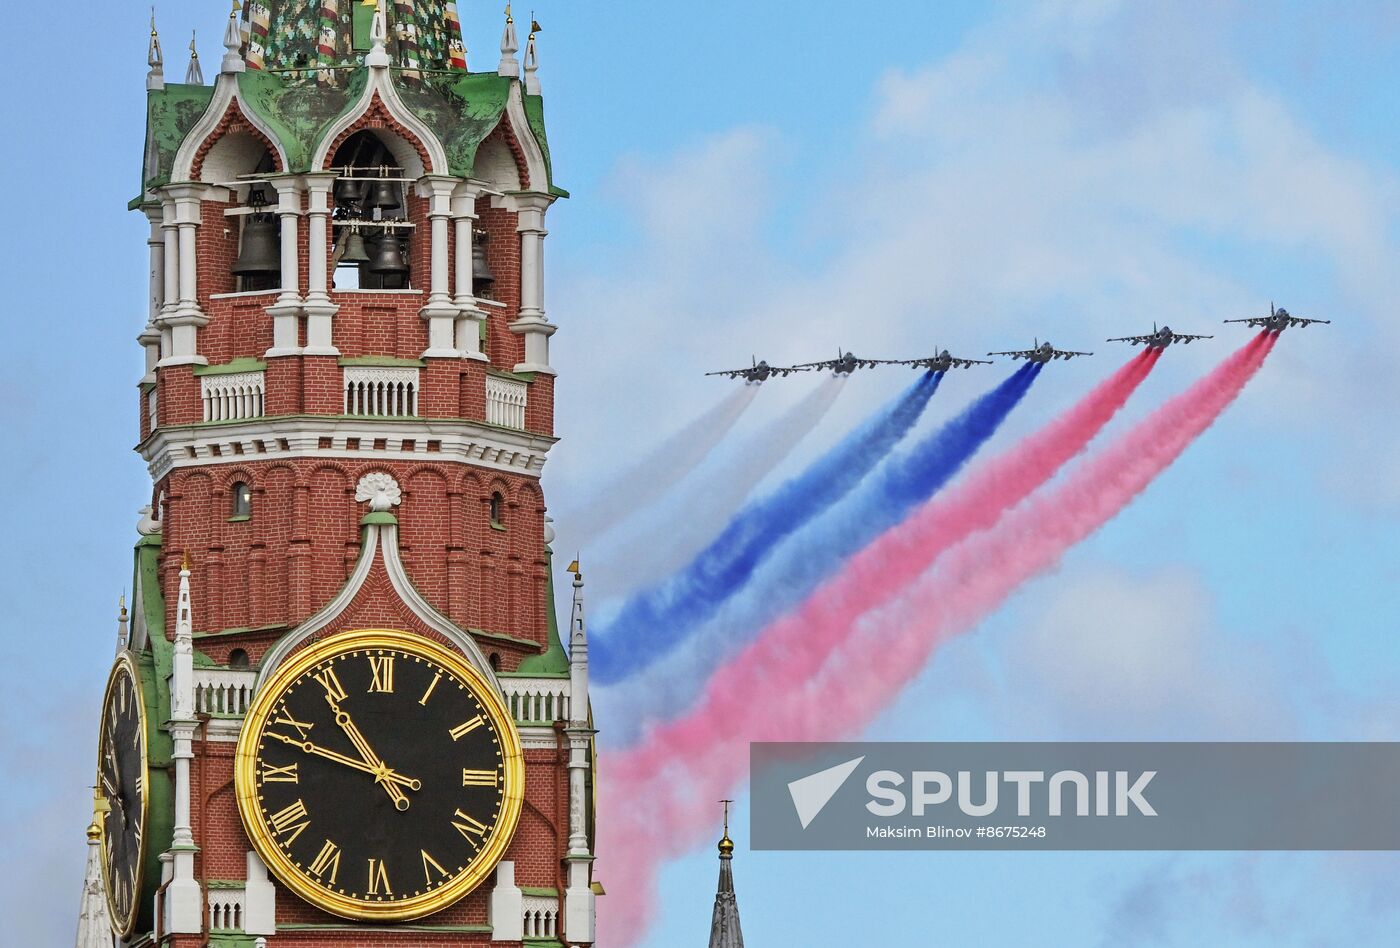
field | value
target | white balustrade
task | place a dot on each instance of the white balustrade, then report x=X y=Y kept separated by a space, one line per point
x=505 y=402
x=537 y=700
x=541 y=916
x=232 y=397
x=381 y=390
x=227 y=910
x=223 y=692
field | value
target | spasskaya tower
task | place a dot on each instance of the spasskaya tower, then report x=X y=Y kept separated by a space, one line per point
x=342 y=712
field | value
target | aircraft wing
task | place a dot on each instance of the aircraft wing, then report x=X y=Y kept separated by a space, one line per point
x=1300 y=321
x=1252 y=320
x=828 y=364
x=730 y=373
x=1069 y=353
x=967 y=363
x=1187 y=337
x=1133 y=340
x=1015 y=353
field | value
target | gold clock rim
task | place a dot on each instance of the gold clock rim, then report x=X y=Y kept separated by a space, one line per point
x=245 y=776
x=122 y=927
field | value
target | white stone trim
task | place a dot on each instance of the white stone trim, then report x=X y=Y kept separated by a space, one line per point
x=225 y=692
x=410 y=597
x=380 y=81
x=506 y=401
x=520 y=124
x=505 y=912
x=539 y=701
x=539 y=916
x=515 y=452
x=538 y=738
x=227 y=910
x=225 y=94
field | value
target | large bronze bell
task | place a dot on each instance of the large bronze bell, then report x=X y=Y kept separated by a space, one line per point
x=354 y=250
x=482 y=277
x=384 y=195
x=350 y=194
x=262 y=248
x=388 y=258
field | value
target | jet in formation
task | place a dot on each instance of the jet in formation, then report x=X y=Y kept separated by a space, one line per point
x=1277 y=321
x=941 y=362
x=1160 y=338
x=1042 y=352
x=845 y=364
x=758 y=372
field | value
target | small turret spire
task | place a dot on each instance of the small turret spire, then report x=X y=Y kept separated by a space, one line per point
x=724 y=927
x=94 y=918
x=194 y=75
x=510 y=45
x=123 y=636
x=532 y=59
x=155 y=79
x=233 y=44
x=378 y=56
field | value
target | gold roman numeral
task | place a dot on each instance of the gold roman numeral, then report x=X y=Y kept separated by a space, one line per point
x=331 y=683
x=466 y=727
x=429 y=863
x=382 y=669
x=327 y=859
x=294 y=819
x=469 y=827
x=379 y=877
x=274 y=774
x=302 y=728
x=481 y=778
x=431 y=685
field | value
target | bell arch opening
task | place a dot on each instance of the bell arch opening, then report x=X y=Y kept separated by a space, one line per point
x=373 y=229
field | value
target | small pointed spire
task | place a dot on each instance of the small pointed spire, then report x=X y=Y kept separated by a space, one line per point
x=94 y=918
x=233 y=44
x=378 y=56
x=724 y=926
x=155 y=79
x=181 y=688
x=123 y=636
x=194 y=76
x=532 y=60
x=510 y=45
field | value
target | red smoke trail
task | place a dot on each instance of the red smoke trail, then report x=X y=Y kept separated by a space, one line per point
x=671 y=782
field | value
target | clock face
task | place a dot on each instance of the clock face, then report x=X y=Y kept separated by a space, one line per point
x=122 y=782
x=379 y=775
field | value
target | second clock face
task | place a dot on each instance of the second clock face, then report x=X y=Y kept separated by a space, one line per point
x=379 y=775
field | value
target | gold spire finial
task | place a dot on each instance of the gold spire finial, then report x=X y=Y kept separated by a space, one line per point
x=121 y=604
x=237 y=8
x=153 y=21
x=509 y=18
x=534 y=24
x=185 y=563
x=94 y=832
x=726 y=845
x=194 y=44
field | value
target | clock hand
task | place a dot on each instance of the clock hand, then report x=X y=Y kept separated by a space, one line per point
x=370 y=758
x=319 y=751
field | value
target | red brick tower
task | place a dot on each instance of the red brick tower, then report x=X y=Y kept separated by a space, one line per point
x=347 y=406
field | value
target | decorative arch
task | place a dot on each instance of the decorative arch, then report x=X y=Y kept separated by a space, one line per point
x=226 y=115
x=380 y=102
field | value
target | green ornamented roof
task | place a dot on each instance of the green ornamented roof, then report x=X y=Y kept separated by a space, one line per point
x=298 y=111
x=170 y=114
x=325 y=35
x=461 y=110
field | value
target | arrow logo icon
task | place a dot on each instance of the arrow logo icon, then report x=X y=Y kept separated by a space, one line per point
x=811 y=794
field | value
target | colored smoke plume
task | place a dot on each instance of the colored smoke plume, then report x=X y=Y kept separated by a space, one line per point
x=657 y=799
x=809 y=557
x=655 y=620
x=652 y=477
x=707 y=500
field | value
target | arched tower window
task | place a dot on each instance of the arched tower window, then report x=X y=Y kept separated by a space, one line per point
x=242 y=505
x=498 y=510
x=238 y=659
x=373 y=245
x=258 y=265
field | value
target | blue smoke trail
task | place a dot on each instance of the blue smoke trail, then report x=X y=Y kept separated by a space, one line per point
x=809 y=557
x=657 y=619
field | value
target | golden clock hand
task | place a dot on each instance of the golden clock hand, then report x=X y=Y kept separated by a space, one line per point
x=370 y=757
x=310 y=748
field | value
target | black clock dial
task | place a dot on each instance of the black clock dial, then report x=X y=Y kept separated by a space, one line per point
x=381 y=775
x=121 y=785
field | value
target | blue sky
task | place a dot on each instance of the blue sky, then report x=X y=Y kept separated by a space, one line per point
x=797 y=177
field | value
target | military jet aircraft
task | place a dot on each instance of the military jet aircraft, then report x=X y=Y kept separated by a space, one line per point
x=759 y=372
x=1277 y=321
x=844 y=364
x=942 y=362
x=1160 y=338
x=1043 y=352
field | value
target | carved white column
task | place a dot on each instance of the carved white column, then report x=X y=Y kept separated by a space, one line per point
x=184 y=898
x=579 y=898
x=530 y=209
x=506 y=911
x=150 y=337
x=470 y=315
x=319 y=308
x=187 y=319
x=170 y=262
x=286 y=311
x=440 y=312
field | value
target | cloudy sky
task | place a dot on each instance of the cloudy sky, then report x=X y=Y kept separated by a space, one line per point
x=790 y=178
